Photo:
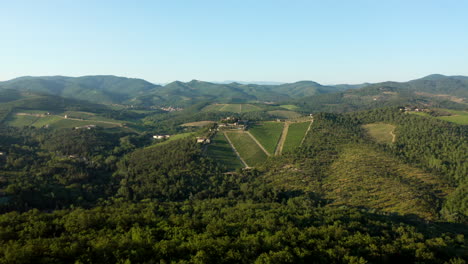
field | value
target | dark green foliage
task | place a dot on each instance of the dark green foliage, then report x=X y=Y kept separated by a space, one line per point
x=222 y=231
x=173 y=171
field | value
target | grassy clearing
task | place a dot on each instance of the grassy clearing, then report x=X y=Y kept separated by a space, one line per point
x=247 y=148
x=380 y=132
x=220 y=150
x=296 y=133
x=289 y=107
x=363 y=176
x=198 y=124
x=268 y=134
x=284 y=114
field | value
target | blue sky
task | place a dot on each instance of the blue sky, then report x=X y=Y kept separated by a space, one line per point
x=161 y=41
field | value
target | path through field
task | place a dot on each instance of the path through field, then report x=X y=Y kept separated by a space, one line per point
x=235 y=150
x=279 y=147
x=258 y=143
x=307 y=132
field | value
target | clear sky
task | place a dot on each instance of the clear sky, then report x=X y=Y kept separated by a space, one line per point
x=246 y=40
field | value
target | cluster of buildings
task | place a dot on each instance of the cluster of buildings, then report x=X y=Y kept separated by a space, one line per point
x=412 y=109
x=168 y=108
x=233 y=123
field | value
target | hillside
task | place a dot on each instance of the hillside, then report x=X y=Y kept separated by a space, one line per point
x=430 y=91
x=100 y=89
x=120 y=90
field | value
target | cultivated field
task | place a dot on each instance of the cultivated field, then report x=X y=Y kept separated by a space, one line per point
x=268 y=134
x=296 y=133
x=235 y=108
x=197 y=124
x=380 y=132
x=252 y=154
x=284 y=114
x=221 y=151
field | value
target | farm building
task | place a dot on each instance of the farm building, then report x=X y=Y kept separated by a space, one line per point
x=203 y=140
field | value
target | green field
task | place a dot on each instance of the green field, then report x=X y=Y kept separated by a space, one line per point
x=252 y=154
x=296 y=133
x=235 y=108
x=220 y=150
x=380 y=132
x=289 y=107
x=268 y=134
x=20 y=121
x=457 y=117
x=284 y=114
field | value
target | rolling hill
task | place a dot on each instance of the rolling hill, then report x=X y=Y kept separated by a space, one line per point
x=431 y=91
x=119 y=90
x=101 y=89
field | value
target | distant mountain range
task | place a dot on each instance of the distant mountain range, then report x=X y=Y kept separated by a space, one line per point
x=119 y=90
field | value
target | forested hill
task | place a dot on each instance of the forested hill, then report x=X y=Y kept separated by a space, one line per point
x=431 y=91
x=112 y=89
x=101 y=89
